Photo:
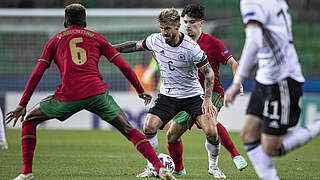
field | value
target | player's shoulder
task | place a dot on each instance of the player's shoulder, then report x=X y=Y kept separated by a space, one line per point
x=260 y=3
x=206 y=38
x=187 y=41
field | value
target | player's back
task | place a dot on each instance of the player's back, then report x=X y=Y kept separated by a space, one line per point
x=277 y=59
x=76 y=52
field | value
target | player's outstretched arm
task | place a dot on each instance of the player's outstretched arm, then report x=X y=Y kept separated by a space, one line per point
x=127 y=71
x=234 y=65
x=251 y=47
x=33 y=81
x=207 y=106
x=129 y=46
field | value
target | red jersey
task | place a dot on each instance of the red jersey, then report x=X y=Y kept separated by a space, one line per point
x=77 y=51
x=217 y=53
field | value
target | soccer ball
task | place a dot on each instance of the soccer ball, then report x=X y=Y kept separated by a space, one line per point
x=166 y=160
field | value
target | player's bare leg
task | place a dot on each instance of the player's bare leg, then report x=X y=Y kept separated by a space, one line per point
x=141 y=143
x=150 y=127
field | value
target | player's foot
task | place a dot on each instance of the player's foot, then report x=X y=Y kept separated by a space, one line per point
x=146 y=173
x=165 y=174
x=180 y=173
x=216 y=172
x=25 y=177
x=240 y=162
x=3 y=145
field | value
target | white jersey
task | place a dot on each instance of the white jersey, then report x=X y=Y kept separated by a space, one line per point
x=178 y=65
x=277 y=59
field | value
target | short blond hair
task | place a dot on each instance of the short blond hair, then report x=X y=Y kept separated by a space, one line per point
x=169 y=15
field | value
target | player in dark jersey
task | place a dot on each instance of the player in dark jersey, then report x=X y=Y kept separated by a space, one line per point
x=76 y=51
x=217 y=53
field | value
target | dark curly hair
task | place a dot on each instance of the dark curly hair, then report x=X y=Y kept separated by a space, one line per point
x=194 y=11
x=75 y=15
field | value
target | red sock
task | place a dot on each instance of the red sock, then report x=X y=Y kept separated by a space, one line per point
x=226 y=140
x=175 y=150
x=28 y=144
x=144 y=147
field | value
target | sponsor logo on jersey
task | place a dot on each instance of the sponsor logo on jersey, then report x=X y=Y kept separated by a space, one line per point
x=225 y=52
x=162 y=51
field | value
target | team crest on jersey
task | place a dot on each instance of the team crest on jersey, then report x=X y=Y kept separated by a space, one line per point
x=181 y=57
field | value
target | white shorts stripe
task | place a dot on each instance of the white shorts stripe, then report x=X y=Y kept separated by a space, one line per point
x=285 y=101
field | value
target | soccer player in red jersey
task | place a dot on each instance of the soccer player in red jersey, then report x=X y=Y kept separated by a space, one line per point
x=77 y=51
x=217 y=53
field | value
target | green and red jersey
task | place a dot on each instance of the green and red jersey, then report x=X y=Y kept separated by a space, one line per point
x=77 y=51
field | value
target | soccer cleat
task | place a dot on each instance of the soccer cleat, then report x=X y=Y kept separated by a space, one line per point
x=3 y=145
x=180 y=173
x=25 y=177
x=165 y=174
x=146 y=173
x=216 y=172
x=240 y=162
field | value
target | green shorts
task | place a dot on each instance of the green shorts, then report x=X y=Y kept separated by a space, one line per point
x=184 y=117
x=103 y=105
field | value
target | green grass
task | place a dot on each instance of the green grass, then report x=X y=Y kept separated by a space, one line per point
x=98 y=154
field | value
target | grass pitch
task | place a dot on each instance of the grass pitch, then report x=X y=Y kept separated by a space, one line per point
x=100 y=154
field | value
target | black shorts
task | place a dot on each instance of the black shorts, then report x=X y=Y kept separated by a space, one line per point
x=277 y=105
x=166 y=107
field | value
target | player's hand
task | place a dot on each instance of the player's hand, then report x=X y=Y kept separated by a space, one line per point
x=146 y=97
x=15 y=115
x=209 y=108
x=241 y=90
x=231 y=93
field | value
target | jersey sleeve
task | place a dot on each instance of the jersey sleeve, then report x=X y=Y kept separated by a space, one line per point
x=48 y=52
x=149 y=42
x=253 y=11
x=107 y=49
x=222 y=53
x=198 y=56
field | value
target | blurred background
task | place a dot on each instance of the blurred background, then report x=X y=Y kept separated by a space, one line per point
x=26 y=25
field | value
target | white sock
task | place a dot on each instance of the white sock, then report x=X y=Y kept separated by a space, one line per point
x=262 y=164
x=153 y=139
x=213 y=150
x=2 y=131
x=300 y=136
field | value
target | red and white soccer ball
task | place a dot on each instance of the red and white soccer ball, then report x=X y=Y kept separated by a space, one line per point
x=166 y=160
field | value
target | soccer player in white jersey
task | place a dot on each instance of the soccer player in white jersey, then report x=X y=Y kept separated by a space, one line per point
x=3 y=141
x=179 y=58
x=274 y=104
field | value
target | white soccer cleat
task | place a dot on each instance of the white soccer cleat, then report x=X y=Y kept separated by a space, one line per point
x=25 y=177
x=146 y=173
x=165 y=174
x=3 y=145
x=216 y=172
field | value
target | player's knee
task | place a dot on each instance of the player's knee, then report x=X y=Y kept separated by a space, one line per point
x=149 y=128
x=172 y=137
x=244 y=137
x=270 y=150
x=212 y=135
